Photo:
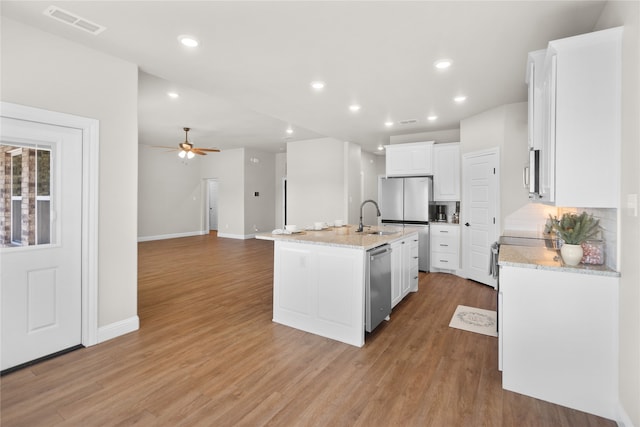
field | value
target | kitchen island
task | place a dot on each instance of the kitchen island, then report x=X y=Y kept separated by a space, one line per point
x=319 y=277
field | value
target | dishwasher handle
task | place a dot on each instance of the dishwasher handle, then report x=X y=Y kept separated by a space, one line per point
x=379 y=251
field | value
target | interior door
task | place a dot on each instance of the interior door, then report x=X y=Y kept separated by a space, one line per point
x=40 y=271
x=479 y=213
x=213 y=204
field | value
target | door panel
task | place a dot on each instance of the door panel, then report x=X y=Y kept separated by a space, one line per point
x=417 y=194
x=390 y=199
x=40 y=288
x=480 y=210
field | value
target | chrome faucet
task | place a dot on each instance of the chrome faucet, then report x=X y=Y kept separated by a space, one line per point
x=360 y=226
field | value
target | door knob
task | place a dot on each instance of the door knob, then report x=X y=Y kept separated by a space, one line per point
x=467 y=224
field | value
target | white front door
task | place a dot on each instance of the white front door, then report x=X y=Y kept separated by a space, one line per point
x=41 y=254
x=479 y=213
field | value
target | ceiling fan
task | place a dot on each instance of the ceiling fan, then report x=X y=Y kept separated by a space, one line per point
x=188 y=150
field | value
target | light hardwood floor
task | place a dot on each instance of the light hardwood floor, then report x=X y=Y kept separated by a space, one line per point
x=208 y=354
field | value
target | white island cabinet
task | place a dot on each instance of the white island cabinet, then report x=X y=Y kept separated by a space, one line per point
x=319 y=279
x=558 y=329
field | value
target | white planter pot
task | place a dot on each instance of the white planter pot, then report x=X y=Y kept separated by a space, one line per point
x=571 y=254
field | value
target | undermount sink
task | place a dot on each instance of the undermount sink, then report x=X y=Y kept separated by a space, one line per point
x=381 y=233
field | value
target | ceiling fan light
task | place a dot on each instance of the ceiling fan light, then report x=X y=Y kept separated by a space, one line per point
x=190 y=155
x=182 y=154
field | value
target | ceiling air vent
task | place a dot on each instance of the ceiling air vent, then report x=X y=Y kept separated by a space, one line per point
x=73 y=20
x=408 y=122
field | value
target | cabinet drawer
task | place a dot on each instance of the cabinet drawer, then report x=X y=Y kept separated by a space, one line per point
x=445 y=260
x=446 y=244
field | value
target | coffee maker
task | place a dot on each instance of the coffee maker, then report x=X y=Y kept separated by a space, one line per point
x=441 y=213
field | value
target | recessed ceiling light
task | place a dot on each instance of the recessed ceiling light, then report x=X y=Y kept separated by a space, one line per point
x=388 y=124
x=317 y=85
x=173 y=95
x=442 y=64
x=188 y=41
x=460 y=98
x=354 y=107
x=432 y=118
x=289 y=131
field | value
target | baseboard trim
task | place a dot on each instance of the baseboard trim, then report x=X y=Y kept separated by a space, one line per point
x=236 y=236
x=171 y=236
x=623 y=418
x=114 y=330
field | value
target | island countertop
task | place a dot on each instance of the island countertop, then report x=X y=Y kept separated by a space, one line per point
x=345 y=236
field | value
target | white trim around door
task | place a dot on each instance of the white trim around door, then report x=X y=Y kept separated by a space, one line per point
x=90 y=192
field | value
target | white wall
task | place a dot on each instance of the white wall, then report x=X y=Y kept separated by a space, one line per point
x=316 y=181
x=228 y=167
x=281 y=173
x=259 y=211
x=170 y=196
x=353 y=181
x=504 y=127
x=372 y=166
x=618 y=13
x=45 y=71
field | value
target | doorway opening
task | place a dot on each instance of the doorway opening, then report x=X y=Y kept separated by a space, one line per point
x=212 y=205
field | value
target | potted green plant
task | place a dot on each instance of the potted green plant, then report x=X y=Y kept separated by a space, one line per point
x=574 y=229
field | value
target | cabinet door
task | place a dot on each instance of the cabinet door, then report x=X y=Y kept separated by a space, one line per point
x=558 y=333
x=406 y=267
x=412 y=159
x=396 y=273
x=534 y=81
x=446 y=172
x=580 y=120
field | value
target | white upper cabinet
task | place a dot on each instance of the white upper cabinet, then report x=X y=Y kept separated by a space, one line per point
x=535 y=64
x=446 y=172
x=579 y=120
x=411 y=159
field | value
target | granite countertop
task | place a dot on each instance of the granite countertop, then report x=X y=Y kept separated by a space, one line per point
x=543 y=258
x=345 y=236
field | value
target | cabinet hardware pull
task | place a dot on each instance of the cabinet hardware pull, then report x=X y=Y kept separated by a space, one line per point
x=441 y=244
x=444 y=231
x=443 y=260
x=415 y=277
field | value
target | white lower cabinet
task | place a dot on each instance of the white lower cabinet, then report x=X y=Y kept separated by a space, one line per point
x=558 y=337
x=320 y=289
x=404 y=268
x=445 y=246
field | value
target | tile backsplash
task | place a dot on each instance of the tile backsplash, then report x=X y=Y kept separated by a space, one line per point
x=609 y=224
x=532 y=217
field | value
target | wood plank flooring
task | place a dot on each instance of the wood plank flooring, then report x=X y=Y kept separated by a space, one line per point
x=208 y=354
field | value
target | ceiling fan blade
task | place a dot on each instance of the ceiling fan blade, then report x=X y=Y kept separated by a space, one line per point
x=162 y=146
x=198 y=151
x=211 y=150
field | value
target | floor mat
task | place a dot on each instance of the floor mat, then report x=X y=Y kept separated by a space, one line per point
x=475 y=320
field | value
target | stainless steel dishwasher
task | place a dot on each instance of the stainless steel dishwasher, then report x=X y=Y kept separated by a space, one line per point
x=378 y=286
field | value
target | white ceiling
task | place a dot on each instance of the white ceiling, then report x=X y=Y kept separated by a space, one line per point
x=250 y=77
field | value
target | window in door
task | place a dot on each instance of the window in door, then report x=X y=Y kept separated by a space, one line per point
x=26 y=196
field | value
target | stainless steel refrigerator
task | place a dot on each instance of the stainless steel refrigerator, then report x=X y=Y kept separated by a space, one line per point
x=409 y=201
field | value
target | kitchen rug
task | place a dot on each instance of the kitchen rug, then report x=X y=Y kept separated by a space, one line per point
x=475 y=320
